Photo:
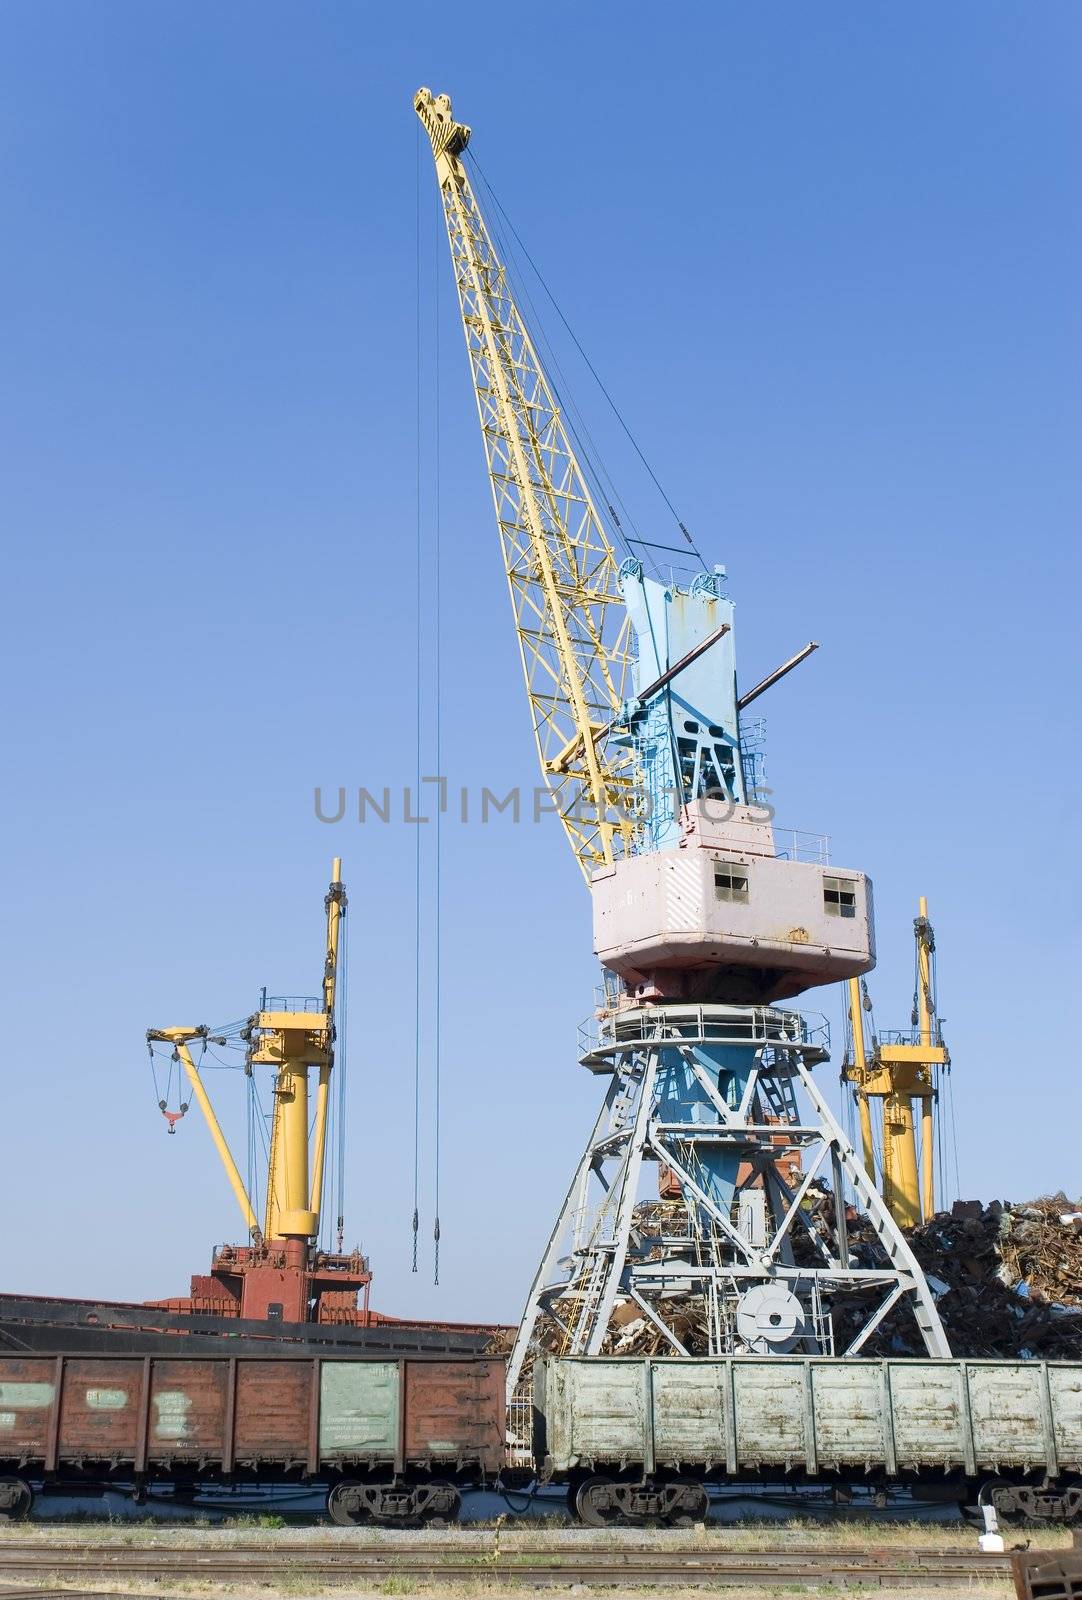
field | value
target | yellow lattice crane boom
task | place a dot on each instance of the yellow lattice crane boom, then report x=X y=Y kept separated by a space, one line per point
x=562 y=571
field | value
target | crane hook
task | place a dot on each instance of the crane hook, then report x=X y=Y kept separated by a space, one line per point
x=172 y=1117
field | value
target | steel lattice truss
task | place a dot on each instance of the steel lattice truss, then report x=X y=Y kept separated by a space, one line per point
x=600 y=1254
x=563 y=574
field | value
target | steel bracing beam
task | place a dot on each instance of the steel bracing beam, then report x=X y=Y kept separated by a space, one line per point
x=591 y=1263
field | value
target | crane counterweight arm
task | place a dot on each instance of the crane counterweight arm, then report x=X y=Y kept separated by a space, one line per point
x=562 y=572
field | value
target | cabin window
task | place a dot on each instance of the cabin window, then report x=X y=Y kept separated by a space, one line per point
x=839 y=897
x=731 y=880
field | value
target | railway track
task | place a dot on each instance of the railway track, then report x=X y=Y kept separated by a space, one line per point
x=529 y=1564
x=8 y=1593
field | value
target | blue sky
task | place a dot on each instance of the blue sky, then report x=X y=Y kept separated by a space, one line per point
x=827 y=259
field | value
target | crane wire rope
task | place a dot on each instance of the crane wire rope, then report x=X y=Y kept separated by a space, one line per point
x=954 y=1133
x=255 y=1119
x=848 y=1084
x=341 y=1000
x=937 y=1083
x=326 y=1188
x=852 y=1099
x=155 y=1086
x=418 y=663
x=589 y=456
x=437 y=647
x=471 y=157
x=876 y=1107
x=262 y=1120
x=947 y=1105
x=250 y=1136
x=428 y=666
x=925 y=992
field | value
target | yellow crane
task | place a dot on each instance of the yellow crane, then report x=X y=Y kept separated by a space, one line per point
x=295 y=1038
x=901 y=1071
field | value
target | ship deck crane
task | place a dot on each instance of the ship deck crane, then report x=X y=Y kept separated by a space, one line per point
x=901 y=1071
x=279 y=1273
x=701 y=921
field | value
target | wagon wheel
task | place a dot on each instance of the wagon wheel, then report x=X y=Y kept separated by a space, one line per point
x=597 y=1504
x=972 y=1510
x=345 y=1505
x=446 y=1504
x=16 y=1499
x=695 y=1506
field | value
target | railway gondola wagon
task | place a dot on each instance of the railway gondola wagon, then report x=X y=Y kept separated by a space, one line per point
x=639 y=1441
x=390 y=1441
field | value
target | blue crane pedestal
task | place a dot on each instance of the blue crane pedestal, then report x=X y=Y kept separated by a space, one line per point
x=714 y=1185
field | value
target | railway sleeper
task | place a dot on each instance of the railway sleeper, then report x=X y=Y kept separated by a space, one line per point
x=607 y=1502
x=398 y=1504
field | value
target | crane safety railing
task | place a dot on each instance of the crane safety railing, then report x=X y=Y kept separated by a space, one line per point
x=520 y=1443
x=626 y=1029
x=794 y=844
x=910 y=1036
x=753 y=760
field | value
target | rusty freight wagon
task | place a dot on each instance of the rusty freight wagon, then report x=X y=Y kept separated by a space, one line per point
x=639 y=1440
x=388 y=1440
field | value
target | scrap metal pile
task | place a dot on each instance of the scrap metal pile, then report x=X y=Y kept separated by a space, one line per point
x=1007 y=1280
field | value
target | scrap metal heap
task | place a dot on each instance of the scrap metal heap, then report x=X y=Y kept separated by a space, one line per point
x=1007 y=1279
x=703 y=918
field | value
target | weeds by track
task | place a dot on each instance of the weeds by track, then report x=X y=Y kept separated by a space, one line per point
x=529 y=1564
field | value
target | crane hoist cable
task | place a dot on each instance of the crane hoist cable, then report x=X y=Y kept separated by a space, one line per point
x=471 y=158
x=341 y=1066
x=428 y=869
x=438 y=736
x=162 y=1100
x=946 y=1124
x=953 y=1132
x=876 y=1107
x=925 y=940
x=589 y=456
x=250 y=1134
x=419 y=708
x=850 y=1087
